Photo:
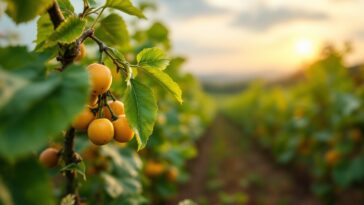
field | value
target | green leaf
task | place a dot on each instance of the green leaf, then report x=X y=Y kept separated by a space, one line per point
x=44 y=30
x=79 y=168
x=112 y=185
x=158 y=32
x=152 y=58
x=66 y=7
x=68 y=199
x=67 y=32
x=125 y=161
x=9 y=84
x=41 y=109
x=26 y=182
x=187 y=202
x=18 y=61
x=113 y=31
x=14 y=57
x=141 y=110
x=126 y=166
x=23 y=11
x=92 y=3
x=125 y=6
x=165 y=81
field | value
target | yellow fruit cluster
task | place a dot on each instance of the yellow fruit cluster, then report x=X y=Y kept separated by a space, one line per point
x=102 y=130
x=111 y=123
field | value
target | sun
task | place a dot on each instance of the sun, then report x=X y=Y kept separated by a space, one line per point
x=304 y=48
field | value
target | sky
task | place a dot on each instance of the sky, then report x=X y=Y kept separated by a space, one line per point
x=251 y=38
x=261 y=37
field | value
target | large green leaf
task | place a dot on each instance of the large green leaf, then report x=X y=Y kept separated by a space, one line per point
x=141 y=110
x=44 y=30
x=14 y=57
x=67 y=32
x=125 y=6
x=19 y=61
x=26 y=182
x=40 y=110
x=23 y=11
x=66 y=7
x=153 y=58
x=158 y=32
x=165 y=81
x=9 y=84
x=113 y=31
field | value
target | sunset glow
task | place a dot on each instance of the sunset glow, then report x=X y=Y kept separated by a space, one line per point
x=304 y=48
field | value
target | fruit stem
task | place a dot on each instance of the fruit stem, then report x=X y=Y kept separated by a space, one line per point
x=109 y=52
x=113 y=116
x=98 y=17
x=111 y=95
x=99 y=108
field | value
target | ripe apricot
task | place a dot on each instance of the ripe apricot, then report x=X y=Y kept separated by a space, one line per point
x=100 y=131
x=101 y=78
x=83 y=119
x=154 y=169
x=81 y=53
x=90 y=153
x=172 y=174
x=332 y=157
x=117 y=108
x=122 y=131
x=49 y=157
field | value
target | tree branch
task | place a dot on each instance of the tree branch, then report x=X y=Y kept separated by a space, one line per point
x=55 y=14
x=69 y=155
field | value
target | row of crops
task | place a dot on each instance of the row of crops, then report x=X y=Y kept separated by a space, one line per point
x=314 y=124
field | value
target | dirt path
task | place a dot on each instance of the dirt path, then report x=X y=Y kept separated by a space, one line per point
x=230 y=170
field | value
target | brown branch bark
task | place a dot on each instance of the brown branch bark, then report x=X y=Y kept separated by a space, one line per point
x=55 y=14
x=69 y=155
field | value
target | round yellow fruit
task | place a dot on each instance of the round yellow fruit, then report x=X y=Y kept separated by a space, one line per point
x=122 y=131
x=154 y=169
x=172 y=174
x=117 y=108
x=49 y=157
x=101 y=78
x=83 y=120
x=100 y=131
x=332 y=157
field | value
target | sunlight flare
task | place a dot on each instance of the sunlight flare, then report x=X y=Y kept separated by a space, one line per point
x=305 y=48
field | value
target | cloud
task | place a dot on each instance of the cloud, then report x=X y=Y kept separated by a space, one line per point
x=195 y=48
x=264 y=18
x=190 y=8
